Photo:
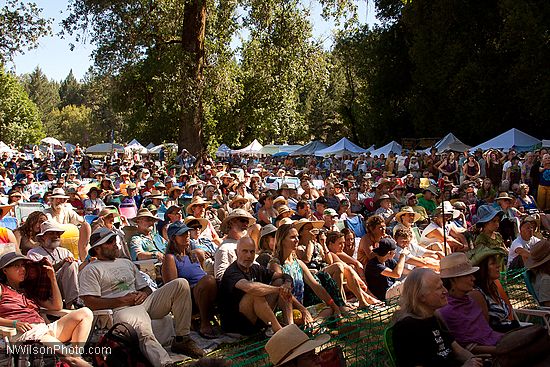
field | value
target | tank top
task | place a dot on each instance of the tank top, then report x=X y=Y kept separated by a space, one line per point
x=295 y=271
x=16 y=306
x=188 y=270
x=527 y=206
x=472 y=170
x=498 y=311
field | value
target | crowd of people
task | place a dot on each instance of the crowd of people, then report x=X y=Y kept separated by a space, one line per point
x=246 y=237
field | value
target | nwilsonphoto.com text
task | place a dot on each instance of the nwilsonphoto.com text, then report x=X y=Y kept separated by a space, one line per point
x=62 y=349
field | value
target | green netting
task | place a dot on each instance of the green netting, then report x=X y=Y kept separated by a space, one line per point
x=359 y=333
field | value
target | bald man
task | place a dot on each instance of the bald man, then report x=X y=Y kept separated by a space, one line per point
x=250 y=292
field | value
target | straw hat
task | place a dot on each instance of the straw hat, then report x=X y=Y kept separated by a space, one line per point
x=59 y=193
x=156 y=194
x=282 y=210
x=49 y=226
x=236 y=200
x=285 y=221
x=174 y=188
x=280 y=199
x=504 y=196
x=202 y=221
x=197 y=200
x=302 y=222
x=456 y=265
x=540 y=253
x=447 y=208
x=108 y=211
x=383 y=197
x=237 y=213
x=145 y=213
x=291 y=342
x=407 y=210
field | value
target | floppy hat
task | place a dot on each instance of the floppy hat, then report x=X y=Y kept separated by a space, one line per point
x=503 y=196
x=430 y=189
x=456 y=265
x=267 y=229
x=11 y=257
x=177 y=229
x=291 y=342
x=174 y=188
x=108 y=210
x=237 y=213
x=197 y=200
x=99 y=237
x=283 y=209
x=145 y=213
x=385 y=245
x=407 y=210
x=202 y=221
x=486 y=213
x=483 y=252
x=94 y=188
x=280 y=199
x=540 y=253
x=156 y=194
x=383 y=197
x=447 y=208
x=302 y=222
x=58 y=193
x=236 y=200
x=49 y=226
x=330 y=212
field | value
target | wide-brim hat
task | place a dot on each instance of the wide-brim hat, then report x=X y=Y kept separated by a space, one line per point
x=282 y=210
x=486 y=213
x=237 y=213
x=540 y=254
x=483 y=252
x=236 y=200
x=197 y=200
x=174 y=188
x=108 y=210
x=504 y=196
x=318 y=224
x=456 y=265
x=291 y=342
x=156 y=194
x=145 y=213
x=430 y=189
x=407 y=210
x=202 y=221
x=94 y=188
x=280 y=199
x=267 y=229
x=446 y=208
x=59 y=193
x=10 y=258
x=49 y=226
x=99 y=237
x=383 y=197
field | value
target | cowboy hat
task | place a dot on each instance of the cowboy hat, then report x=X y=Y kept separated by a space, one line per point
x=486 y=213
x=192 y=182
x=49 y=226
x=145 y=213
x=540 y=254
x=407 y=210
x=174 y=188
x=203 y=222
x=236 y=200
x=237 y=213
x=156 y=194
x=282 y=210
x=302 y=222
x=503 y=196
x=291 y=342
x=197 y=200
x=59 y=193
x=456 y=265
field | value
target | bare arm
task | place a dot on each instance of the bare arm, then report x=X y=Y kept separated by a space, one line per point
x=256 y=288
x=100 y=303
x=55 y=302
x=317 y=288
x=169 y=271
x=398 y=270
x=480 y=300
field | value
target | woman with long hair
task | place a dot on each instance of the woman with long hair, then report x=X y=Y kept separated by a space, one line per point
x=376 y=230
x=267 y=213
x=26 y=234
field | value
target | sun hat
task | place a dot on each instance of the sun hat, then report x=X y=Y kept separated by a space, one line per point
x=267 y=229
x=447 y=208
x=280 y=199
x=302 y=222
x=486 y=213
x=540 y=254
x=237 y=213
x=383 y=197
x=11 y=257
x=282 y=210
x=410 y=195
x=483 y=252
x=174 y=188
x=145 y=213
x=528 y=219
x=430 y=189
x=108 y=210
x=407 y=210
x=58 y=193
x=331 y=212
x=236 y=200
x=456 y=265
x=291 y=342
x=99 y=237
x=131 y=186
x=203 y=222
x=156 y=194
x=49 y=226
x=385 y=245
x=177 y=229
x=504 y=196
x=93 y=188
x=197 y=200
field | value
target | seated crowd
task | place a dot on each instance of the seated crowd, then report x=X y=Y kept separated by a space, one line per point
x=147 y=240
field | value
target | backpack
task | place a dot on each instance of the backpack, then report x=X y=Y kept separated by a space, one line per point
x=119 y=347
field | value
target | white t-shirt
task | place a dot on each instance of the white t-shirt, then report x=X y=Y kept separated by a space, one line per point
x=401 y=163
x=66 y=215
x=224 y=256
x=110 y=279
x=507 y=165
x=518 y=243
x=349 y=165
x=54 y=256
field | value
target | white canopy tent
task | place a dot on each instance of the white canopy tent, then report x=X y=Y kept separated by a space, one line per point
x=253 y=149
x=135 y=146
x=4 y=148
x=105 y=148
x=512 y=138
x=449 y=142
x=223 y=151
x=156 y=150
x=343 y=147
x=392 y=146
x=271 y=149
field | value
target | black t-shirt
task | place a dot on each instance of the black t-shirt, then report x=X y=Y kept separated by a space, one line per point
x=377 y=283
x=230 y=297
x=422 y=342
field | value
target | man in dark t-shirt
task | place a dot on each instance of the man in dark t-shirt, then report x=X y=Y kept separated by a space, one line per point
x=249 y=292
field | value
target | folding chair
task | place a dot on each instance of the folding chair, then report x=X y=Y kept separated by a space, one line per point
x=9 y=223
x=22 y=210
x=388 y=346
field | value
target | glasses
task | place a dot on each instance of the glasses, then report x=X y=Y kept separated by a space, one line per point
x=243 y=220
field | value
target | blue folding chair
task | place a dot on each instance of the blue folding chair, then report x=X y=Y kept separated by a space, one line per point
x=90 y=218
x=9 y=223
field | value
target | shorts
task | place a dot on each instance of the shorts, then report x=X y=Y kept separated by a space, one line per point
x=239 y=323
x=36 y=333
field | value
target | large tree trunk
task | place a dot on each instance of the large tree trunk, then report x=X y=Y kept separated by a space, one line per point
x=194 y=26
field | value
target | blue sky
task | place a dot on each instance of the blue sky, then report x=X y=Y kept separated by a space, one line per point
x=55 y=58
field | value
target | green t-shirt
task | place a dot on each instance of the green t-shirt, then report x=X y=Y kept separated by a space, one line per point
x=429 y=205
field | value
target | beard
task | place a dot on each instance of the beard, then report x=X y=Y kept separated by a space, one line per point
x=51 y=244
